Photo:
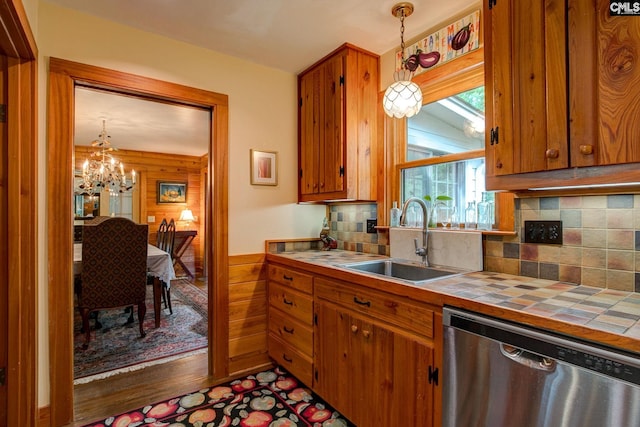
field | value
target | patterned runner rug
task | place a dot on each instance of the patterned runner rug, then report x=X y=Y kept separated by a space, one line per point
x=117 y=346
x=268 y=399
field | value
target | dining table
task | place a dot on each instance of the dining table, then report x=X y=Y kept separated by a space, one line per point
x=159 y=265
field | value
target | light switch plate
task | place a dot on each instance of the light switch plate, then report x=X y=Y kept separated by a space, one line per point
x=549 y=232
x=151 y=219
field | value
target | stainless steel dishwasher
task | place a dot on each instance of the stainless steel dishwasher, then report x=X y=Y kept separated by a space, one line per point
x=499 y=374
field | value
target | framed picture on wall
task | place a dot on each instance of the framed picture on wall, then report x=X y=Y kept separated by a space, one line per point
x=172 y=192
x=264 y=167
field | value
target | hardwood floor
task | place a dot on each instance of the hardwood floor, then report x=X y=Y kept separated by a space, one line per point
x=100 y=399
x=111 y=396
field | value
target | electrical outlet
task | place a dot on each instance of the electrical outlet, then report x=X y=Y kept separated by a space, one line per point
x=549 y=232
x=371 y=226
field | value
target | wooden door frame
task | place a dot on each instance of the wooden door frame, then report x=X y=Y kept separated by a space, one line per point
x=63 y=77
x=20 y=214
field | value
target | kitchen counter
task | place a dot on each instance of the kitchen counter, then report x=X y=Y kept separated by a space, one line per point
x=598 y=315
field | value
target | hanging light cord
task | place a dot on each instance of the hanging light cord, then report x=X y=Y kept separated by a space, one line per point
x=402 y=35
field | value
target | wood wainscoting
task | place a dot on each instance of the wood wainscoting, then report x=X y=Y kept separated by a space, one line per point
x=247 y=313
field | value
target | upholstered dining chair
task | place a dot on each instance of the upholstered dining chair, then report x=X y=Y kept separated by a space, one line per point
x=165 y=240
x=114 y=268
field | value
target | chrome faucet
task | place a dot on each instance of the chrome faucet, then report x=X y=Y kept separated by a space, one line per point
x=425 y=216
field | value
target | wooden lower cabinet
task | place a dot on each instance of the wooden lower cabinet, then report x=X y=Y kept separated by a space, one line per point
x=291 y=321
x=373 y=372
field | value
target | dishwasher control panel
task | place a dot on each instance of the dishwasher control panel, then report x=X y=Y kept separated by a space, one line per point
x=600 y=364
x=579 y=353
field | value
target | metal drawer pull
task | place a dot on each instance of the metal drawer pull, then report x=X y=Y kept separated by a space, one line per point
x=286 y=301
x=286 y=359
x=285 y=277
x=361 y=302
x=354 y=328
x=287 y=330
x=366 y=334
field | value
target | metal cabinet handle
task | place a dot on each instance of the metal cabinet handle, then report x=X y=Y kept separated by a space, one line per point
x=286 y=301
x=287 y=359
x=366 y=334
x=287 y=330
x=354 y=328
x=361 y=302
x=285 y=277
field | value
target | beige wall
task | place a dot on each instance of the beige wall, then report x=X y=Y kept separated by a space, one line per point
x=262 y=115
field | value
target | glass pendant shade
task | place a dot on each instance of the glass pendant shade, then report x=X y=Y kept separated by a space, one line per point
x=403 y=98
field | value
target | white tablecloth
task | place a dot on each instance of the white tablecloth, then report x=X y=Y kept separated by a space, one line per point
x=159 y=262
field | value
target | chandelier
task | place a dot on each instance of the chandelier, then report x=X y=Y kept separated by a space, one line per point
x=101 y=171
x=403 y=98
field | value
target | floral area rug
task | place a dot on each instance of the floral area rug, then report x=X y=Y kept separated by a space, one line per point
x=268 y=399
x=117 y=346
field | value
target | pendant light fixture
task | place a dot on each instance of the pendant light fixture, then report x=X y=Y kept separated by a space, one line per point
x=403 y=98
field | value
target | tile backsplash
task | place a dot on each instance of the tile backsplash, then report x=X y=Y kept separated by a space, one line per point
x=601 y=239
x=601 y=244
x=348 y=223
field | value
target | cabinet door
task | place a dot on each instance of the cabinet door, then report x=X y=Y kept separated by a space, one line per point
x=526 y=73
x=392 y=369
x=321 y=128
x=604 y=85
x=375 y=375
x=333 y=379
x=331 y=173
x=311 y=131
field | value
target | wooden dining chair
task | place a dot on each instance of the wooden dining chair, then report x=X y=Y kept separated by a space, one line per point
x=165 y=240
x=114 y=268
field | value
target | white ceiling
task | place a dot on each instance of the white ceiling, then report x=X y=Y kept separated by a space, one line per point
x=285 y=34
x=137 y=124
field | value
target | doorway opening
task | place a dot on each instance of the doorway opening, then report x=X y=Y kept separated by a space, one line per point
x=64 y=77
x=152 y=146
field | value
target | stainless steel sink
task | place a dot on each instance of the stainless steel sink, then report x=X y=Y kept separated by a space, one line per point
x=401 y=269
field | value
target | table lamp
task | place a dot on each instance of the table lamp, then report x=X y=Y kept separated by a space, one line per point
x=186 y=215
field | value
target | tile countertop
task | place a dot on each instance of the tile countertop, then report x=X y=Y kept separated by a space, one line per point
x=603 y=315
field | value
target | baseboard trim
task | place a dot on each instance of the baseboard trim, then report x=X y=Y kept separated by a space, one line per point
x=44 y=416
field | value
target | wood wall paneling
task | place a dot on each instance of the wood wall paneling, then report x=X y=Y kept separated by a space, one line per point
x=247 y=312
x=152 y=168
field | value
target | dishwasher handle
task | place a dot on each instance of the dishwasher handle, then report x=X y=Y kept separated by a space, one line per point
x=527 y=358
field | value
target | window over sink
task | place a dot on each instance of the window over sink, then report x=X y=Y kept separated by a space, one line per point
x=450 y=126
x=441 y=149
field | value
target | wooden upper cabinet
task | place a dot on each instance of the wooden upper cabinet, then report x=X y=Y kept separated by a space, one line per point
x=562 y=94
x=526 y=86
x=337 y=127
x=604 y=85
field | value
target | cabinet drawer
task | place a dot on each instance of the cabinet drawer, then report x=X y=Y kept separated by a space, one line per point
x=291 y=278
x=393 y=309
x=291 y=302
x=298 y=364
x=291 y=331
